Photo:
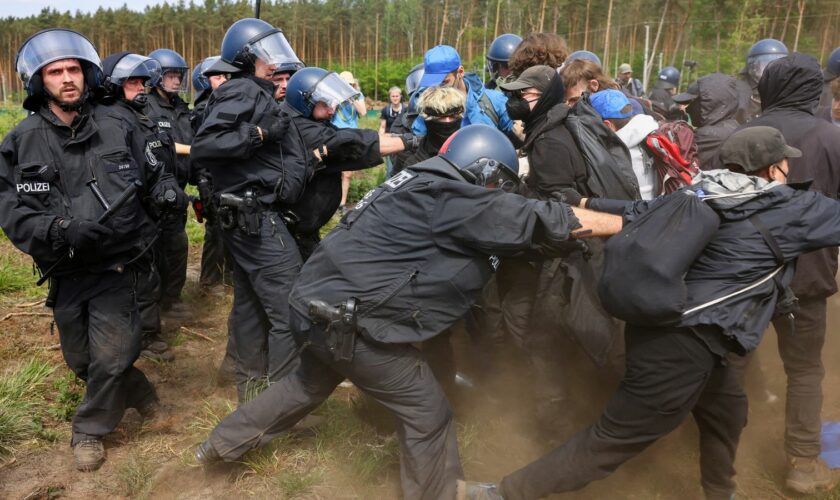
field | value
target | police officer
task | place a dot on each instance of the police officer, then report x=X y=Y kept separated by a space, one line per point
x=312 y=98
x=498 y=55
x=401 y=267
x=216 y=263
x=663 y=91
x=173 y=117
x=762 y=53
x=59 y=167
x=125 y=78
x=585 y=54
x=405 y=121
x=259 y=166
x=281 y=76
x=830 y=73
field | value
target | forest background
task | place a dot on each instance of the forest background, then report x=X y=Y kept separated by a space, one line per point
x=380 y=40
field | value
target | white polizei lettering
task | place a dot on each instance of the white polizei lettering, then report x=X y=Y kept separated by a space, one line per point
x=33 y=187
x=164 y=124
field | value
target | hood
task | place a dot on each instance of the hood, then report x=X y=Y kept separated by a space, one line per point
x=725 y=190
x=718 y=99
x=475 y=87
x=636 y=130
x=792 y=82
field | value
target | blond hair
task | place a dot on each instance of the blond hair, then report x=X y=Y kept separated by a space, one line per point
x=439 y=101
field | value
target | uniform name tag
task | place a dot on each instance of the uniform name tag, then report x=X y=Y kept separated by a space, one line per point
x=400 y=179
x=494 y=262
x=33 y=187
x=164 y=125
x=155 y=144
x=118 y=167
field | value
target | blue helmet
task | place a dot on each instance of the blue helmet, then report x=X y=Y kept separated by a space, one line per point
x=200 y=82
x=412 y=81
x=832 y=68
x=119 y=67
x=584 y=54
x=499 y=52
x=309 y=86
x=762 y=53
x=669 y=77
x=170 y=61
x=249 y=39
x=48 y=46
x=483 y=155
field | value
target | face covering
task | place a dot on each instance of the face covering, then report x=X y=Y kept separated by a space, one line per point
x=518 y=108
x=139 y=101
x=441 y=131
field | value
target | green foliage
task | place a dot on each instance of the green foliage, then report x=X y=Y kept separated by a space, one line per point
x=22 y=403
x=363 y=181
x=14 y=275
x=68 y=393
x=9 y=117
x=133 y=476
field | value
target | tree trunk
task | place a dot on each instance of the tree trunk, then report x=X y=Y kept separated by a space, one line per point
x=656 y=39
x=586 y=26
x=799 y=25
x=606 y=61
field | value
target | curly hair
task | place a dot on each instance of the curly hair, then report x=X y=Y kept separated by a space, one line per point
x=536 y=49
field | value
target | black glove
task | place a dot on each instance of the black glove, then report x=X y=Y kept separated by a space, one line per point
x=168 y=196
x=568 y=196
x=81 y=234
x=276 y=130
x=410 y=142
x=561 y=249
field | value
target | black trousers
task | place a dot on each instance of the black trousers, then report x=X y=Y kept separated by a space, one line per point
x=173 y=247
x=800 y=348
x=148 y=301
x=670 y=373
x=99 y=328
x=265 y=266
x=396 y=375
x=216 y=261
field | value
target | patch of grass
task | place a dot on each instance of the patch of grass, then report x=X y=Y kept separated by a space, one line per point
x=16 y=276
x=212 y=412
x=68 y=392
x=22 y=403
x=133 y=476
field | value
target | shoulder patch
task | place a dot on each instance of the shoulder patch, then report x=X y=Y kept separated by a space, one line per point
x=400 y=179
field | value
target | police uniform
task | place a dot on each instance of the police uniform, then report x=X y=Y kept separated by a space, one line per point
x=173 y=119
x=273 y=170
x=414 y=254
x=45 y=168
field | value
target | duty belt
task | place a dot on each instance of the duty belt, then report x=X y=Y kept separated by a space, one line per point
x=245 y=212
x=340 y=325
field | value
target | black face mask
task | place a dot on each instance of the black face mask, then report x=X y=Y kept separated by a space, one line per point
x=518 y=108
x=139 y=101
x=441 y=131
x=693 y=110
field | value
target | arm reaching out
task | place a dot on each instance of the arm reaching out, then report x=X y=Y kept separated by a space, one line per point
x=596 y=223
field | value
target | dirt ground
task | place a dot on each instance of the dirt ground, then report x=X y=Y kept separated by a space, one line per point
x=155 y=461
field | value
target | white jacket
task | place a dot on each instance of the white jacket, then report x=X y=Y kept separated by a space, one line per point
x=633 y=136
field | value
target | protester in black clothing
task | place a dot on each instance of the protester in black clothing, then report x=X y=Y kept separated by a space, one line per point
x=403 y=266
x=677 y=369
x=790 y=89
x=443 y=109
x=711 y=103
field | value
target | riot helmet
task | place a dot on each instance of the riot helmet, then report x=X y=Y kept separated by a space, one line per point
x=48 y=46
x=249 y=39
x=483 y=155
x=200 y=83
x=121 y=66
x=584 y=54
x=313 y=85
x=412 y=81
x=499 y=52
x=669 y=77
x=832 y=68
x=762 y=53
x=170 y=62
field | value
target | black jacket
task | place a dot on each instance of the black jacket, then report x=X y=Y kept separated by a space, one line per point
x=347 y=149
x=416 y=251
x=229 y=145
x=663 y=103
x=173 y=118
x=402 y=126
x=555 y=162
x=749 y=102
x=100 y=144
x=713 y=113
x=790 y=92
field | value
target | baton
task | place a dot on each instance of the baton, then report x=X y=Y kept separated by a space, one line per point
x=110 y=210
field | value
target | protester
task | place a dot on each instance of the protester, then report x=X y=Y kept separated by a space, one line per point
x=347 y=115
x=583 y=75
x=629 y=85
x=390 y=114
x=547 y=49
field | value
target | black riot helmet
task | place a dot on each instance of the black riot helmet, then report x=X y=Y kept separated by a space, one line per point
x=412 y=81
x=669 y=77
x=249 y=39
x=170 y=62
x=584 y=54
x=832 y=68
x=499 y=52
x=483 y=155
x=312 y=85
x=121 y=66
x=48 y=46
x=762 y=53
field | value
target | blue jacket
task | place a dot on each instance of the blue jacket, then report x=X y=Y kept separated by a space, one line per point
x=473 y=113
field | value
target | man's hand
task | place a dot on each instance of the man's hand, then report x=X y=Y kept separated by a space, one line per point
x=82 y=234
x=595 y=223
x=168 y=195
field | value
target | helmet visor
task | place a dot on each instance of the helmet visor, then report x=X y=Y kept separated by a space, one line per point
x=490 y=174
x=51 y=46
x=332 y=90
x=757 y=64
x=274 y=49
x=135 y=65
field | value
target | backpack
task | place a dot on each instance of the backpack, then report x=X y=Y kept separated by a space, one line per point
x=674 y=152
x=486 y=106
x=609 y=168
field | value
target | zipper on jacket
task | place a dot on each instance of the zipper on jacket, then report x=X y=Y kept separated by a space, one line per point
x=391 y=295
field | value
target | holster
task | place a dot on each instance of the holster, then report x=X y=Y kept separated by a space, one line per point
x=248 y=214
x=340 y=327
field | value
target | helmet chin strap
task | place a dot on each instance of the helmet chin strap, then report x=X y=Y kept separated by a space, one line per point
x=139 y=101
x=68 y=108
